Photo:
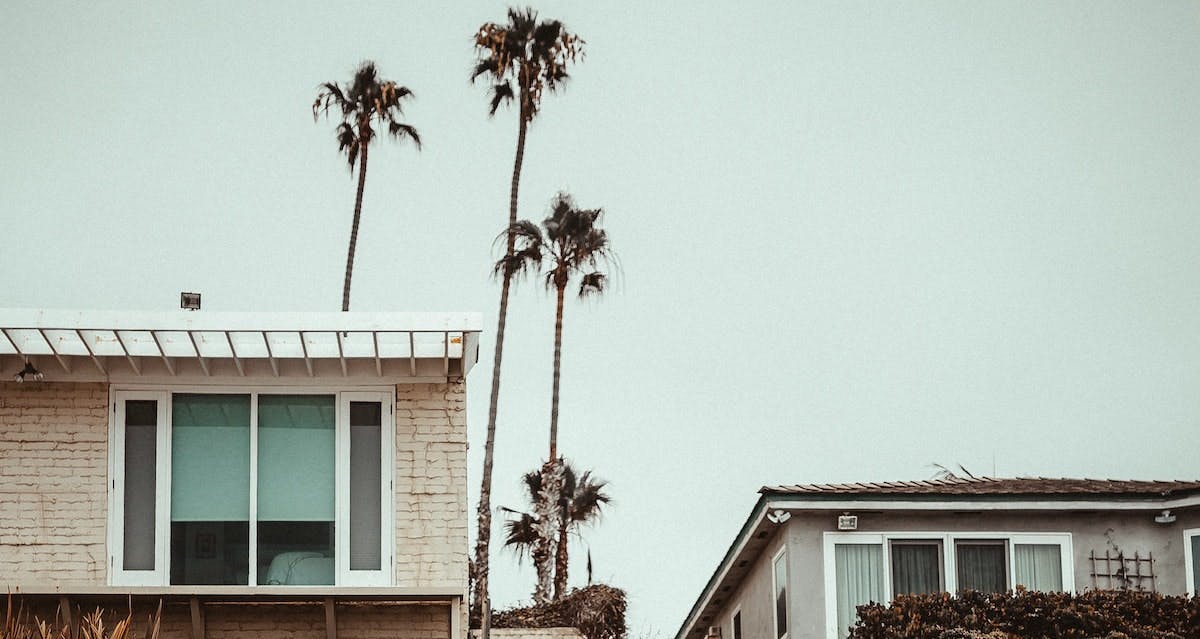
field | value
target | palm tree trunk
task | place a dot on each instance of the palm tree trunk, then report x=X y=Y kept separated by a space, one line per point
x=362 y=180
x=484 y=533
x=560 y=556
x=558 y=324
x=549 y=511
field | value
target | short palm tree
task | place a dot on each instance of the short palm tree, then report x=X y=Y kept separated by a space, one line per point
x=580 y=502
x=520 y=60
x=366 y=102
x=571 y=248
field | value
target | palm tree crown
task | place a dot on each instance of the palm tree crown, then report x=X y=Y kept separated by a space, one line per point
x=531 y=53
x=572 y=244
x=364 y=102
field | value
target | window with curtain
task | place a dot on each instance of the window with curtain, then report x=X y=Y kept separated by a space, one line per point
x=982 y=565
x=780 y=587
x=858 y=580
x=1038 y=566
x=916 y=566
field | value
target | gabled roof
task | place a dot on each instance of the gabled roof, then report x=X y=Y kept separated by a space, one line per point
x=1016 y=494
x=137 y=345
x=998 y=486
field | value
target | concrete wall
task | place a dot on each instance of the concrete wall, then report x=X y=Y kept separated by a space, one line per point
x=54 y=472
x=803 y=534
x=532 y=633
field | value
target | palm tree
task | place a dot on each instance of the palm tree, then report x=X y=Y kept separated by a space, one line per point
x=571 y=246
x=580 y=502
x=520 y=59
x=364 y=102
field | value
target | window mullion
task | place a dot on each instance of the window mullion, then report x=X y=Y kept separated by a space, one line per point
x=252 y=577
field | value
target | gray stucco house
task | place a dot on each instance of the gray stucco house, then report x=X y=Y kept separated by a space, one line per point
x=298 y=475
x=809 y=554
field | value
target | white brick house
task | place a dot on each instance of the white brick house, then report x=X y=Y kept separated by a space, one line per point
x=298 y=474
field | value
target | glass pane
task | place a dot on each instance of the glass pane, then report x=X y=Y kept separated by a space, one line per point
x=1195 y=563
x=210 y=552
x=781 y=596
x=981 y=566
x=916 y=568
x=141 y=458
x=366 y=441
x=210 y=457
x=295 y=553
x=859 y=580
x=296 y=489
x=737 y=626
x=1038 y=566
x=210 y=489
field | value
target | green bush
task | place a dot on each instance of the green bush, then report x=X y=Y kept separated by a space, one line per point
x=1095 y=614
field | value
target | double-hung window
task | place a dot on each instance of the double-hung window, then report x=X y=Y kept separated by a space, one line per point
x=779 y=588
x=266 y=488
x=876 y=567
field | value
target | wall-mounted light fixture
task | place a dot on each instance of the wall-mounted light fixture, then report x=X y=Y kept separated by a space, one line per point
x=778 y=516
x=1165 y=518
x=30 y=372
x=189 y=301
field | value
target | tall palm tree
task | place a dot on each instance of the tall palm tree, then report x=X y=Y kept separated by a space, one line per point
x=580 y=502
x=571 y=248
x=367 y=101
x=520 y=60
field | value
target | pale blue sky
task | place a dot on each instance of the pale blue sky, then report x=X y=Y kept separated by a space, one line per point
x=857 y=238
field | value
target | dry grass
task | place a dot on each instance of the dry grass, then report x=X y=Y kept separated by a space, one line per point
x=19 y=625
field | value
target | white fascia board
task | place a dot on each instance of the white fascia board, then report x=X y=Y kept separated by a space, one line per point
x=752 y=523
x=180 y=320
x=1001 y=503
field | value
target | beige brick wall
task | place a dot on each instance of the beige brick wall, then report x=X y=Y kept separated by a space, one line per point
x=53 y=467
x=431 y=485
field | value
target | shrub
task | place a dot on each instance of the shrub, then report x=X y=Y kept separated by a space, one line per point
x=598 y=612
x=18 y=625
x=1095 y=614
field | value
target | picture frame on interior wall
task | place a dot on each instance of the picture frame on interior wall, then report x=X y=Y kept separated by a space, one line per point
x=1191 y=559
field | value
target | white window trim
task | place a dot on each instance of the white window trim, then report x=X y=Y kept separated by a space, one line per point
x=949 y=566
x=1189 y=561
x=160 y=576
x=787 y=594
x=737 y=610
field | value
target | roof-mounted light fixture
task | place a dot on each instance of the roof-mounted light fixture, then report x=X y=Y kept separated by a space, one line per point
x=778 y=516
x=30 y=372
x=189 y=301
x=1165 y=518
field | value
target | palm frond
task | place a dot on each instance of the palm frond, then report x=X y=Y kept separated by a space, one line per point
x=591 y=284
x=401 y=131
x=520 y=534
x=502 y=93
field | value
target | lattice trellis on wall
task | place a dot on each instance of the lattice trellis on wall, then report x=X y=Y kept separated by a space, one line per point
x=1118 y=571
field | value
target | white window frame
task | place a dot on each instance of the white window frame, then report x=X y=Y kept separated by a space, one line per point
x=949 y=559
x=787 y=596
x=117 y=574
x=161 y=576
x=733 y=633
x=1189 y=561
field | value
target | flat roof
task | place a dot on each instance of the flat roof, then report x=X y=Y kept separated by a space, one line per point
x=79 y=345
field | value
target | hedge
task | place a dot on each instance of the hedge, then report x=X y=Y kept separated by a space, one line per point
x=1110 y=614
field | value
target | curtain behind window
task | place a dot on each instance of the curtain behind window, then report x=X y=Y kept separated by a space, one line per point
x=916 y=568
x=1038 y=566
x=981 y=566
x=859 y=579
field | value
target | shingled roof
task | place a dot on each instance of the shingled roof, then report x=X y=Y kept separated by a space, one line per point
x=1032 y=486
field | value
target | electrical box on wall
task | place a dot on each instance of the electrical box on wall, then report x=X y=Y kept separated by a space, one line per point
x=847 y=522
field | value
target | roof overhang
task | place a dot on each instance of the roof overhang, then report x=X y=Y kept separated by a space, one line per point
x=757 y=531
x=139 y=346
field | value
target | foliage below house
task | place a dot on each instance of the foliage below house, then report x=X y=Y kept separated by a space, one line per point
x=19 y=624
x=1032 y=615
x=598 y=611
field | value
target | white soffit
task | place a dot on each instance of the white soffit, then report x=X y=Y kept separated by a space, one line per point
x=352 y=344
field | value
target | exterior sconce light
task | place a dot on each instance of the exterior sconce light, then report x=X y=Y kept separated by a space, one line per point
x=1165 y=518
x=28 y=371
x=189 y=301
x=778 y=516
